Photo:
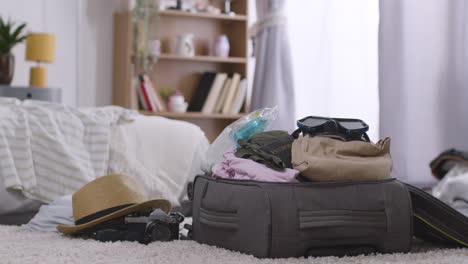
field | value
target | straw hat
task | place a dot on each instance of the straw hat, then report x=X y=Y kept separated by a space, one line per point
x=106 y=198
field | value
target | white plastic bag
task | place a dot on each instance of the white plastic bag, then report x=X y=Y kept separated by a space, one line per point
x=243 y=128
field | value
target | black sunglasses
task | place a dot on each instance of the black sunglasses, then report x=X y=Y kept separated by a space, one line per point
x=347 y=128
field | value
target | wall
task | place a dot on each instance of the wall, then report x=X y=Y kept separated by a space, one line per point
x=84 y=31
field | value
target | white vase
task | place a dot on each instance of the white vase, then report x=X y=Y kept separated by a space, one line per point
x=185 y=46
x=221 y=46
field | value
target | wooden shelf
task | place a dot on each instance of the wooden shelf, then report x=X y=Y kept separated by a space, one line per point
x=202 y=15
x=238 y=60
x=171 y=71
x=193 y=115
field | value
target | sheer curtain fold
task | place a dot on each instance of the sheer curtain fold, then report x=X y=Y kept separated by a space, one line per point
x=423 y=82
x=273 y=82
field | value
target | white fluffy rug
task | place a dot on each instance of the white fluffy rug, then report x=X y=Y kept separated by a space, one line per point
x=21 y=246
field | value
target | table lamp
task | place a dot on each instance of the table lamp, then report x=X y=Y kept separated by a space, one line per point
x=40 y=47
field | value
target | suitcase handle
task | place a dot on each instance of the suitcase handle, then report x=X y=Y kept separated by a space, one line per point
x=340 y=251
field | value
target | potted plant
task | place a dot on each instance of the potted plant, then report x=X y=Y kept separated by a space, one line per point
x=10 y=35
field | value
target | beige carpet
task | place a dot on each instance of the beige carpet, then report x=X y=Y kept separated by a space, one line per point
x=20 y=246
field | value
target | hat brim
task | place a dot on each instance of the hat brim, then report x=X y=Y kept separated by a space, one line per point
x=162 y=204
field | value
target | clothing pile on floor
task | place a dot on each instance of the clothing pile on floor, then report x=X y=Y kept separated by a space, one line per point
x=451 y=167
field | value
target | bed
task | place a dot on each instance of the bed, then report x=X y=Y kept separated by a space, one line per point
x=162 y=154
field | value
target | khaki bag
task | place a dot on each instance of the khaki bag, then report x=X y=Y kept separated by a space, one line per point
x=327 y=159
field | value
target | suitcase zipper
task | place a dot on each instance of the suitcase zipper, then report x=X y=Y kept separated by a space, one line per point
x=338 y=183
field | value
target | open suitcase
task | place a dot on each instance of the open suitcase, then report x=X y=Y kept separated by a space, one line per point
x=436 y=221
x=302 y=219
x=274 y=220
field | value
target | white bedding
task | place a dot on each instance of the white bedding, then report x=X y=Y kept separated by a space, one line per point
x=162 y=154
x=48 y=150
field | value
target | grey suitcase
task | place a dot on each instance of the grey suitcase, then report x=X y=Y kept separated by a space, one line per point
x=278 y=220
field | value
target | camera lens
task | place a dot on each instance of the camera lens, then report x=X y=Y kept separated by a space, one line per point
x=160 y=233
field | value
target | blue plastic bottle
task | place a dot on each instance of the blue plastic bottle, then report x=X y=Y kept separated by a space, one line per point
x=252 y=127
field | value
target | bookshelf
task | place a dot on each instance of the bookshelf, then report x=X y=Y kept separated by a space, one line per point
x=194 y=115
x=203 y=58
x=202 y=15
x=172 y=71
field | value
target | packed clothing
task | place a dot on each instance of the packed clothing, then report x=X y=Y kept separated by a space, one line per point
x=272 y=148
x=322 y=149
x=233 y=167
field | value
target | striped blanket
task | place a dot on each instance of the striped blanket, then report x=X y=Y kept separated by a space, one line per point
x=49 y=150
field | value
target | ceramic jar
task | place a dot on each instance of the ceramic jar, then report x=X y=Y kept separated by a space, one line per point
x=221 y=46
x=177 y=103
x=185 y=46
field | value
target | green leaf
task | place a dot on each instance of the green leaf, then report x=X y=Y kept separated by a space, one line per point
x=21 y=39
x=6 y=29
x=10 y=34
x=18 y=31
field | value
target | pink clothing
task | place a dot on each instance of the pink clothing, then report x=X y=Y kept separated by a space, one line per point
x=233 y=167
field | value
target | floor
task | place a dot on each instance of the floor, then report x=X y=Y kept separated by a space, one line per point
x=18 y=245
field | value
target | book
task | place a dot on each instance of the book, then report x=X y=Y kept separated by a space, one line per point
x=155 y=97
x=202 y=91
x=145 y=98
x=222 y=96
x=150 y=106
x=213 y=96
x=239 y=98
x=248 y=97
x=141 y=96
x=232 y=92
x=135 y=94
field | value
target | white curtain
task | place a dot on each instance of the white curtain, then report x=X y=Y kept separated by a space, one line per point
x=423 y=82
x=273 y=83
x=334 y=46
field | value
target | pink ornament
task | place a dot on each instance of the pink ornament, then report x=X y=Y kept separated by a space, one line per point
x=221 y=46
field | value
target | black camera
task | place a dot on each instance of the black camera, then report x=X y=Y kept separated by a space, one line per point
x=157 y=226
x=163 y=227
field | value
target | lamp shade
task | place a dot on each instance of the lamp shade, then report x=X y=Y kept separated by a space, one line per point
x=40 y=47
